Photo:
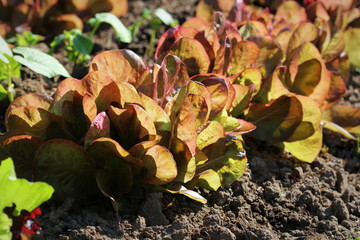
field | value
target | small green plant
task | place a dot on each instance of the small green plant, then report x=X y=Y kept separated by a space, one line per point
x=77 y=46
x=26 y=39
x=19 y=192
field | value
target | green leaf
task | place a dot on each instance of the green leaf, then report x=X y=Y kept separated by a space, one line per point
x=165 y=17
x=3 y=93
x=83 y=44
x=40 y=62
x=5 y=225
x=209 y=180
x=9 y=68
x=122 y=33
x=25 y=195
x=352 y=47
x=4 y=48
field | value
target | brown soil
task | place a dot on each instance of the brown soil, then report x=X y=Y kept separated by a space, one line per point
x=278 y=197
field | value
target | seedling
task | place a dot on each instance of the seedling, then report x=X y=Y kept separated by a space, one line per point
x=26 y=39
x=77 y=46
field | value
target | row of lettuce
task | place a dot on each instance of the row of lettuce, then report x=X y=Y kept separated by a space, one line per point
x=179 y=123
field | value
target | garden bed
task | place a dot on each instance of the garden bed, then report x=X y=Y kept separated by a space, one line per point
x=278 y=197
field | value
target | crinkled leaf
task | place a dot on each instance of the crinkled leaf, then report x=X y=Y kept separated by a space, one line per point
x=21 y=149
x=193 y=54
x=200 y=109
x=347 y=117
x=334 y=48
x=292 y=12
x=244 y=55
x=305 y=32
x=40 y=62
x=276 y=120
x=103 y=148
x=25 y=195
x=250 y=76
x=219 y=94
x=211 y=133
x=160 y=166
x=122 y=65
x=33 y=120
x=66 y=166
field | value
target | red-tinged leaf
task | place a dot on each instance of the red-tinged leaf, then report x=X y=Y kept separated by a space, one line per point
x=283 y=39
x=104 y=148
x=305 y=32
x=346 y=4
x=67 y=167
x=352 y=48
x=160 y=166
x=185 y=161
x=336 y=92
x=31 y=99
x=128 y=95
x=252 y=27
x=242 y=99
x=244 y=55
x=210 y=134
x=122 y=65
x=345 y=116
x=277 y=120
x=193 y=54
x=245 y=127
x=270 y=55
x=67 y=22
x=219 y=94
x=65 y=91
x=200 y=109
x=196 y=23
x=172 y=76
x=167 y=40
x=33 y=120
x=139 y=149
x=292 y=12
x=22 y=150
x=334 y=48
x=205 y=12
x=248 y=77
x=272 y=88
x=100 y=127
x=158 y=116
x=312 y=78
x=223 y=56
x=185 y=126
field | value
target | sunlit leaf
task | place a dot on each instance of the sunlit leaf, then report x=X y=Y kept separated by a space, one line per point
x=244 y=55
x=352 y=48
x=160 y=166
x=211 y=133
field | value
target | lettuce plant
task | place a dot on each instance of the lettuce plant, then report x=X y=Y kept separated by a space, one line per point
x=125 y=125
x=289 y=80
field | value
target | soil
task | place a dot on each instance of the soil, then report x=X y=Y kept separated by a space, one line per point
x=277 y=198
